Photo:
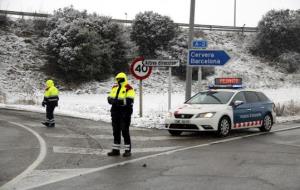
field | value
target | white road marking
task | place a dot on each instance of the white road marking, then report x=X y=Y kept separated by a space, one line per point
x=77 y=150
x=92 y=170
x=109 y=137
x=35 y=164
x=38 y=125
x=142 y=138
x=79 y=172
x=39 y=178
x=55 y=135
x=288 y=144
x=110 y=128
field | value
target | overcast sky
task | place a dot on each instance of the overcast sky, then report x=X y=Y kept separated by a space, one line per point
x=214 y=12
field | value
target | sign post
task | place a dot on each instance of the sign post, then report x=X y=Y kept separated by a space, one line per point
x=164 y=63
x=188 y=80
x=141 y=97
x=170 y=88
x=140 y=72
x=199 y=44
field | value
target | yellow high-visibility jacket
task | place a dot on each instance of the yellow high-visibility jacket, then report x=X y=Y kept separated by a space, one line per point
x=121 y=94
x=51 y=93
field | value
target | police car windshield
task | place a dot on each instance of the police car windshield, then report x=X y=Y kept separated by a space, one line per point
x=211 y=97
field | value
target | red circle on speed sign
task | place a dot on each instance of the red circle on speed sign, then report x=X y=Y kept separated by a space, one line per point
x=138 y=70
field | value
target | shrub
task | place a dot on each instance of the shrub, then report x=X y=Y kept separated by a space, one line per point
x=278 y=32
x=65 y=15
x=23 y=28
x=2 y=97
x=4 y=21
x=290 y=61
x=40 y=27
x=152 y=32
x=279 y=109
x=86 y=48
x=290 y=108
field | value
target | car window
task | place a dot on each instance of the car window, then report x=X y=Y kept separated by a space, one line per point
x=211 y=97
x=262 y=97
x=251 y=97
x=239 y=96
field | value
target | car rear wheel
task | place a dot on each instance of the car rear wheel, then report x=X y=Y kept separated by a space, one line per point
x=267 y=123
x=224 y=127
x=175 y=133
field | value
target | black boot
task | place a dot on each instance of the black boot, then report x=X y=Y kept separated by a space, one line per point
x=127 y=153
x=51 y=125
x=45 y=123
x=114 y=152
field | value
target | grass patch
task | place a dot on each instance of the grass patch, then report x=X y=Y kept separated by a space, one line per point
x=290 y=108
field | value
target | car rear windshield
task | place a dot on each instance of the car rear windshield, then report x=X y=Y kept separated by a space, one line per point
x=211 y=97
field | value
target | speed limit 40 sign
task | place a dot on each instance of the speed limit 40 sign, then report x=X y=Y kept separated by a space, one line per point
x=138 y=70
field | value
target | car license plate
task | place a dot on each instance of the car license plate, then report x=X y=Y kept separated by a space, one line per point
x=185 y=121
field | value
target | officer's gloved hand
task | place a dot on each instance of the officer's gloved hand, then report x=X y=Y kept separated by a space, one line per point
x=120 y=102
x=129 y=101
x=43 y=103
x=110 y=100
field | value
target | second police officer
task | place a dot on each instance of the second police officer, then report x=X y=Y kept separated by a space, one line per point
x=121 y=98
x=50 y=101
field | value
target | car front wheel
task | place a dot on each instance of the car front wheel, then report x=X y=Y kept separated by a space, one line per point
x=224 y=127
x=267 y=124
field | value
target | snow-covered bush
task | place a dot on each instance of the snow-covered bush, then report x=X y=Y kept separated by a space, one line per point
x=152 y=32
x=64 y=16
x=290 y=61
x=4 y=22
x=84 y=49
x=278 y=32
x=279 y=109
x=23 y=27
x=2 y=97
x=40 y=27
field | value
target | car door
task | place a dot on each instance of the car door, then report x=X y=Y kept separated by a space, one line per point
x=255 y=107
x=241 y=112
x=266 y=105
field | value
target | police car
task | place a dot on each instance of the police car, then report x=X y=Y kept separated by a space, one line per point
x=224 y=107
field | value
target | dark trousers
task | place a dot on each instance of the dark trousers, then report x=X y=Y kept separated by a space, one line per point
x=120 y=124
x=49 y=113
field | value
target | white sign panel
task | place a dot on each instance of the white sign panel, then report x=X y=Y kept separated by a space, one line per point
x=161 y=63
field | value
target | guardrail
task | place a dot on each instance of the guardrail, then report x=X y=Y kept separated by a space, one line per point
x=197 y=26
x=5 y=12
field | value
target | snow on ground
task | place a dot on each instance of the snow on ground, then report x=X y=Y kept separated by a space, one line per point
x=155 y=106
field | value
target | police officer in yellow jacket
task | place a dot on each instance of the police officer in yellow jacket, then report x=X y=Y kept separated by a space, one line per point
x=121 y=98
x=50 y=101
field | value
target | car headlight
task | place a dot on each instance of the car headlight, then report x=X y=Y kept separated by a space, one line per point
x=205 y=115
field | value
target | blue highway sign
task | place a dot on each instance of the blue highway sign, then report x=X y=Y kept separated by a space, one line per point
x=199 y=44
x=207 y=57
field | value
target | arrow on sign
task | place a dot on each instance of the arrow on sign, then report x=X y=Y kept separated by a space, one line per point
x=207 y=57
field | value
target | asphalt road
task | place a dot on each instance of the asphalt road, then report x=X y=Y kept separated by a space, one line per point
x=73 y=156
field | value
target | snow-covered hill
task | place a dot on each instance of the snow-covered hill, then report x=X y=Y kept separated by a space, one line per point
x=22 y=82
x=20 y=64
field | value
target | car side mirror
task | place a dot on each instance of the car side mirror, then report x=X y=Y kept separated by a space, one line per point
x=237 y=103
